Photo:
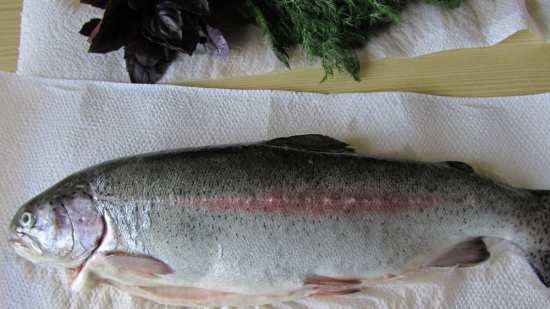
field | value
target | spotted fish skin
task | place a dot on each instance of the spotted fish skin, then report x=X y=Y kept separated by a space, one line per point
x=260 y=219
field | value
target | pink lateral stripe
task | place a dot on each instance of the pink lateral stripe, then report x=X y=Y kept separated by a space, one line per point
x=320 y=203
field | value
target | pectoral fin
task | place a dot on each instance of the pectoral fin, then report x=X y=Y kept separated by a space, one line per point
x=176 y=295
x=80 y=278
x=139 y=265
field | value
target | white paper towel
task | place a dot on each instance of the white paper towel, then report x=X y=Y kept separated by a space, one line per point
x=51 y=46
x=51 y=128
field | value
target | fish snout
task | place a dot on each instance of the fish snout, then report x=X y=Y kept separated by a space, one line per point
x=14 y=240
x=15 y=236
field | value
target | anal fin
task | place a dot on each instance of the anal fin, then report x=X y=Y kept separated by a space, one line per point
x=466 y=253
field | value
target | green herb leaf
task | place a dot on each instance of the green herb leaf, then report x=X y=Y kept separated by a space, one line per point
x=328 y=29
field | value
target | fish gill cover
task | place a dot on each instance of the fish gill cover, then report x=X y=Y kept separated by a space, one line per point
x=153 y=32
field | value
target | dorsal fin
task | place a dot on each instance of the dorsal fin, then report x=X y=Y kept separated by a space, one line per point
x=544 y=195
x=459 y=166
x=311 y=142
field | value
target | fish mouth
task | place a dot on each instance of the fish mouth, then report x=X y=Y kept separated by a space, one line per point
x=24 y=245
x=16 y=242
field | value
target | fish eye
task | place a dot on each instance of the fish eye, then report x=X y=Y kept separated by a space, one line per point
x=26 y=220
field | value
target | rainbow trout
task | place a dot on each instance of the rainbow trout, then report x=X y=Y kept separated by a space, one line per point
x=272 y=221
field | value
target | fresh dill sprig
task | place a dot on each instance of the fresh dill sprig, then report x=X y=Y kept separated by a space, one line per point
x=331 y=30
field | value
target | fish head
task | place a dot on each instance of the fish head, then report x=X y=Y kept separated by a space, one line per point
x=60 y=229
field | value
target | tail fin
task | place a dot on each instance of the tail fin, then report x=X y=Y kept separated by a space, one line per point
x=538 y=266
x=540 y=262
x=539 y=256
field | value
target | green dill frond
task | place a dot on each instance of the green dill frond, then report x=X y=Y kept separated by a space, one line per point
x=447 y=3
x=276 y=25
x=331 y=30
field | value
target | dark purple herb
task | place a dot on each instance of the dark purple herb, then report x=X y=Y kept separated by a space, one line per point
x=90 y=27
x=152 y=32
x=217 y=41
x=171 y=24
x=97 y=3
x=197 y=7
x=138 y=4
x=146 y=61
x=119 y=26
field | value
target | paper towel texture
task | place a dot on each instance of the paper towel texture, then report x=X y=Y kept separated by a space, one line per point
x=51 y=128
x=51 y=46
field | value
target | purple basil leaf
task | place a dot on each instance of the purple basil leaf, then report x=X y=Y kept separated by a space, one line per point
x=119 y=25
x=218 y=42
x=138 y=4
x=146 y=62
x=168 y=25
x=198 y=7
x=97 y=3
x=167 y=20
x=228 y=15
x=90 y=26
